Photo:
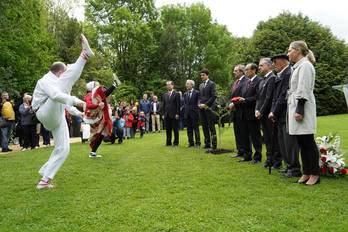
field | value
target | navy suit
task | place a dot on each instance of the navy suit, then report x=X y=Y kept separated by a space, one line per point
x=191 y=116
x=171 y=106
x=236 y=91
x=250 y=125
x=207 y=96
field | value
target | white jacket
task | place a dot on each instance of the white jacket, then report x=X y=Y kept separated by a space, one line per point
x=302 y=87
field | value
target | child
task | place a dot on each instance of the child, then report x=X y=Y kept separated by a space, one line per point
x=128 y=118
x=119 y=124
x=135 y=121
x=141 y=123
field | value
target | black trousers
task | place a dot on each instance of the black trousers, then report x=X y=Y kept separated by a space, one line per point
x=208 y=119
x=193 y=129
x=269 y=131
x=309 y=154
x=29 y=135
x=252 y=136
x=238 y=134
x=288 y=147
x=172 y=125
x=45 y=135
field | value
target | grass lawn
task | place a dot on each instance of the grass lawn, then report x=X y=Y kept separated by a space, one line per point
x=144 y=186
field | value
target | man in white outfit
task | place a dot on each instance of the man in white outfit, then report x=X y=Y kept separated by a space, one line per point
x=50 y=99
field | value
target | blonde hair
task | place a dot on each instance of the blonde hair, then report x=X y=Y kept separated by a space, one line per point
x=301 y=46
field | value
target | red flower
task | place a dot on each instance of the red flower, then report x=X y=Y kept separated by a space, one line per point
x=323 y=159
x=235 y=99
x=323 y=150
x=331 y=170
x=324 y=170
x=343 y=171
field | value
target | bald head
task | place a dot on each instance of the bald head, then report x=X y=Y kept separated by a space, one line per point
x=58 y=68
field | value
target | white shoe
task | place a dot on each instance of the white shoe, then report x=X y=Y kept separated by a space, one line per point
x=44 y=185
x=85 y=46
x=24 y=149
x=94 y=155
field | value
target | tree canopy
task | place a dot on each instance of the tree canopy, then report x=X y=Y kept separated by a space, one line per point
x=146 y=46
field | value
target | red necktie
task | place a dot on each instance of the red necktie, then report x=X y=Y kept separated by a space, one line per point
x=235 y=85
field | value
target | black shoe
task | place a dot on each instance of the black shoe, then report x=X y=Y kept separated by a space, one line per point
x=168 y=145
x=255 y=161
x=277 y=166
x=207 y=147
x=244 y=160
x=267 y=164
x=190 y=145
x=214 y=147
x=237 y=156
x=197 y=145
x=8 y=149
x=291 y=175
x=175 y=145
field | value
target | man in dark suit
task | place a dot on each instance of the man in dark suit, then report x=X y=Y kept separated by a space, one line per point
x=237 y=113
x=287 y=143
x=250 y=124
x=171 y=106
x=207 y=97
x=191 y=113
x=263 y=107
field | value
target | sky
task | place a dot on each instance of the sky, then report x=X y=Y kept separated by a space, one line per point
x=242 y=17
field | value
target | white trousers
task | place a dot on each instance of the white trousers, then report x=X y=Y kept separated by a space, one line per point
x=60 y=132
x=60 y=152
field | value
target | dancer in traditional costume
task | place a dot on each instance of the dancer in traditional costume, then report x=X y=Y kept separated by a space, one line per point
x=97 y=113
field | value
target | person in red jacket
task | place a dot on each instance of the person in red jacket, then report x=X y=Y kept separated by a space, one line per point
x=128 y=118
x=97 y=113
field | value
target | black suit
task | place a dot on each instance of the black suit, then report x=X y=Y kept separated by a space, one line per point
x=171 y=106
x=207 y=96
x=236 y=91
x=250 y=125
x=263 y=105
x=287 y=143
x=191 y=116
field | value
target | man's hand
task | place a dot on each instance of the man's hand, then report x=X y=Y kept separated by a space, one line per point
x=101 y=105
x=80 y=104
x=176 y=116
x=241 y=99
x=257 y=114
x=231 y=106
x=202 y=106
x=298 y=117
x=271 y=116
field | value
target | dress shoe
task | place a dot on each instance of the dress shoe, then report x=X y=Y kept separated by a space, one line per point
x=244 y=160
x=198 y=145
x=303 y=179
x=214 y=147
x=237 y=156
x=291 y=175
x=190 y=145
x=207 y=147
x=316 y=182
x=255 y=161
x=267 y=164
x=168 y=145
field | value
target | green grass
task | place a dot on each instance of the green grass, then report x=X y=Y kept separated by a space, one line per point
x=144 y=186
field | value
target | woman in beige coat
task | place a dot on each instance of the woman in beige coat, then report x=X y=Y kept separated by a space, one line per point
x=302 y=110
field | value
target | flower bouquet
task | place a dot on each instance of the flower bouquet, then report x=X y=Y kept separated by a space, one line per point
x=331 y=159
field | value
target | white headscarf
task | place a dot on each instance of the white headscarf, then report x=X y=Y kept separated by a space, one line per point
x=91 y=85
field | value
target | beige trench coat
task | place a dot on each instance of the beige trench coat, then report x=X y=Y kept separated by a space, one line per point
x=302 y=86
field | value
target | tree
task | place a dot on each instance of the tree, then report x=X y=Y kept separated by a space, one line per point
x=26 y=47
x=274 y=36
